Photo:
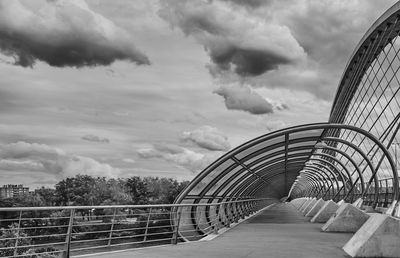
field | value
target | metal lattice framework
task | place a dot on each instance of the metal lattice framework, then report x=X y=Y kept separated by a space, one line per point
x=353 y=156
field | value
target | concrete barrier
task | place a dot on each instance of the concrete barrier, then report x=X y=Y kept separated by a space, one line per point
x=315 y=208
x=304 y=204
x=309 y=206
x=298 y=202
x=340 y=202
x=347 y=218
x=378 y=237
x=323 y=215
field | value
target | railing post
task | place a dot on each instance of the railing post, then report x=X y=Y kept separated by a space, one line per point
x=69 y=232
x=18 y=233
x=176 y=234
x=386 y=202
x=228 y=215
x=112 y=227
x=216 y=220
x=147 y=225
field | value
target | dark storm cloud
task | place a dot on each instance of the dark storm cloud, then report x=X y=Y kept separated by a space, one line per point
x=247 y=62
x=62 y=33
x=236 y=40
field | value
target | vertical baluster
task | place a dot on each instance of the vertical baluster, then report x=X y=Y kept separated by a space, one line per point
x=112 y=227
x=227 y=215
x=147 y=226
x=386 y=193
x=69 y=232
x=216 y=219
x=176 y=234
x=18 y=233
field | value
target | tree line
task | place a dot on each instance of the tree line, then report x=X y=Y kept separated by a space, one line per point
x=84 y=190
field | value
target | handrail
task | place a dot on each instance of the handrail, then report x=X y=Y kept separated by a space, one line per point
x=121 y=206
x=77 y=230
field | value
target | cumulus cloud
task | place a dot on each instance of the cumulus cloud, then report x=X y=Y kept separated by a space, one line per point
x=236 y=41
x=207 y=137
x=94 y=138
x=62 y=33
x=182 y=157
x=243 y=97
x=23 y=156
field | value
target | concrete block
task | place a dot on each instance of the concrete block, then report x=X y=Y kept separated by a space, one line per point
x=323 y=215
x=340 y=202
x=358 y=203
x=315 y=208
x=309 y=206
x=368 y=209
x=346 y=219
x=392 y=208
x=306 y=204
x=378 y=237
x=298 y=202
x=301 y=207
x=381 y=209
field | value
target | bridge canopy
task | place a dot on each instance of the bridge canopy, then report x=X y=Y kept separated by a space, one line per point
x=353 y=155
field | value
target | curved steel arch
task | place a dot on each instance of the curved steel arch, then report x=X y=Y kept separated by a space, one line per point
x=246 y=172
x=368 y=92
x=363 y=124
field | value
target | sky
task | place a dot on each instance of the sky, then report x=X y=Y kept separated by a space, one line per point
x=162 y=87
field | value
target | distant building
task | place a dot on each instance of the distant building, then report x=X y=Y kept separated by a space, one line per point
x=9 y=191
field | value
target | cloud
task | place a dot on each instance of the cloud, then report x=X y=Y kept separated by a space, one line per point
x=182 y=157
x=235 y=40
x=95 y=138
x=126 y=160
x=207 y=137
x=23 y=156
x=341 y=24
x=243 y=97
x=62 y=33
x=278 y=105
x=250 y=3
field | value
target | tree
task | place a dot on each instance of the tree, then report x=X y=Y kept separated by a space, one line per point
x=7 y=240
x=75 y=190
x=48 y=196
x=136 y=187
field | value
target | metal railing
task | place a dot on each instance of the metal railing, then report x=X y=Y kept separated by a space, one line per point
x=77 y=230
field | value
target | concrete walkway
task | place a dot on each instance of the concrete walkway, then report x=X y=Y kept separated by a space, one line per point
x=279 y=231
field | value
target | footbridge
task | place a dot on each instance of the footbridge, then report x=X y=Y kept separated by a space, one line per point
x=279 y=195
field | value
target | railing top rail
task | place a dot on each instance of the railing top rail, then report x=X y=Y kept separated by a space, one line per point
x=122 y=206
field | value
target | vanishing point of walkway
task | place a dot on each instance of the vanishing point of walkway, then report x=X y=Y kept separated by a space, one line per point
x=278 y=231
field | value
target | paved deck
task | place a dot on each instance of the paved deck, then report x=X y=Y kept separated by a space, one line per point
x=279 y=231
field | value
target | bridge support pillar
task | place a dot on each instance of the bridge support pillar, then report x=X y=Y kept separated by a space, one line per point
x=315 y=208
x=347 y=218
x=323 y=215
x=378 y=237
